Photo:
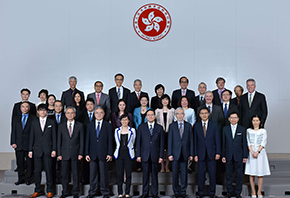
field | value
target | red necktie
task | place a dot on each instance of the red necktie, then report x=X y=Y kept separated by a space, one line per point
x=98 y=99
x=183 y=93
x=138 y=96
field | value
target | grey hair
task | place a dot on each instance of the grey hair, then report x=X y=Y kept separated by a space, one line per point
x=70 y=107
x=251 y=80
x=138 y=80
x=100 y=107
x=202 y=83
x=74 y=78
x=179 y=108
x=208 y=92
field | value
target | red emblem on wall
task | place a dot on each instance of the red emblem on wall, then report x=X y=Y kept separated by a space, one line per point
x=152 y=22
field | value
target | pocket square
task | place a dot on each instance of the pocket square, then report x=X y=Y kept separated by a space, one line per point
x=239 y=133
x=49 y=126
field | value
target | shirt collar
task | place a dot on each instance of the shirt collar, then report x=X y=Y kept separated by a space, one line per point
x=151 y=124
x=206 y=122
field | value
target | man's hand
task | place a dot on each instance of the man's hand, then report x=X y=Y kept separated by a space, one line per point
x=196 y=159
x=30 y=154
x=217 y=157
x=244 y=160
x=14 y=146
x=224 y=160
x=160 y=160
x=53 y=154
x=80 y=157
x=138 y=159
x=108 y=158
x=59 y=157
x=88 y=158
x=171 y=158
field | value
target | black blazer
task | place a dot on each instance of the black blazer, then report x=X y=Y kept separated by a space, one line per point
x=99 y=148
x=20 y=136
x=85 y=119
x=62 y=118
x=156 y=103
x=199 y=102
x=66 y=97
x=236 y=147
x=232 y=108
x=150 y=146
x=258 y=107
x=70 y=147
x=176 y=145
x=17 y=112
x=176 y=95
x=42 y=143
x=133 y=101
x=216 y=97
x=114 y=98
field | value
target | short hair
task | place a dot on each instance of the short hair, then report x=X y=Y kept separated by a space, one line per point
x=50 y=95
x=137 y=80
x=124 y=115
x=43 y=91
x=240 y=87
x=57 y=101
x=183 y=77
x=70 y=107
x=98 y=82
x=251 y=80
x=25 y=89
x=208 y=91
x=100 y=107
x=203 y=108
x=144 y=96
x=150 y=110
x=226 y=90
x=119 y=74
x=234 y=112
x=158 y=87
x=168 y=98
x=220 y=79
x=90 y=100
x=255 y=116
x=42 y=107
x=73 y=78
x=26 y=103
x=178 y=108
x=202 y=83
x=179 y=102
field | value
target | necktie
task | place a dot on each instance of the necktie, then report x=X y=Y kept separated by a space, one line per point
x=250 y=101
x=42 y=125
x=91 y=117
x=24 y=117
x=58 y=118
x=183 y=93
x=151 y=129
x=98 y=130
x=204 y=129
x=226 y=110
x=119 y=93
x=209 y=109
x=233 y=131
x=181 y=130
x=138 y=96
x=70 y=129
x=98 y=99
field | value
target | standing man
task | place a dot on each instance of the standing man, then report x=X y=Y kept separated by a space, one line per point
x=234 y=154
x=67 y=96
x=200 y=100
x=42 y=146
x=99 y=152
x=228 y=106
x=180 y=150
x=134 y=97
x=20 y=135
x=183 y=91
x=70 y=145
x=25 y=93
x=101 y=99
x=118 y=92
x=253 y=103
x=207 y=151
x=217 y=98
x=150 y=150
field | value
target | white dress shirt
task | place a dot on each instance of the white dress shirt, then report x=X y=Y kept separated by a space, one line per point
x=253 y=94
x=40 y=120
x=72 y=125
x=224 y=104
x=97 y=122
x=152 y=124
x=206 y=124
x=233 y=128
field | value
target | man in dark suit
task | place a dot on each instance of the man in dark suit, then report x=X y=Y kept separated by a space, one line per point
x=58 y=116
x=42 y=146
x=180 y=150
x=253 y=103
x=134 y=97
x=207 y=151
x=70 y=145
x=200 y=100
x=228 y=106
x=150 y=150
x=99 y=152
x=234 y=153
x=67 y=96
x=176 y=95
x=20 y=135
x=101 y=99
x=118 y=92
x=220 y=83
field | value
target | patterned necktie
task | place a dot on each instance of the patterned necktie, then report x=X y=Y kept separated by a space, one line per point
x=250 y=101
x=91 y=116
x=24 y=117
x=151 y=129
x=119 y=93
x=204 y=129
x=183 y=92
x=42 y=125
x=98 y=130
x=98 y=99
x=209 y=109
x=138 y=95
x=58 y=118
x=70 y=129
x=180 y=130
x=226 y=110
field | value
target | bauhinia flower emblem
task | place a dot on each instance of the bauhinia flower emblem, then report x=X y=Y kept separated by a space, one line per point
x=152 y=22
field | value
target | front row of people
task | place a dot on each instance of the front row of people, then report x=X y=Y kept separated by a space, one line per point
x=70 y=143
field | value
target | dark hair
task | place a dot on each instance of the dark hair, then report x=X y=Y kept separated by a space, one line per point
x=203 y=108
x=26 y=103
x=168 y=98
x=48 y=97
x=74 y=104
x=25 y=89
x=179 y=102
x=42 y=106
x=150 y=110
x=90 y=100
x=144 y=96
x=255 y=116
x=183 y=77
x=98 y=82
x=118 y=110
x=219 y=79
x=119 y=74
x=234 y=112
x=240 y=87
x=125 y=115
x=227 y=91
x=43 y=91
x=158 y=87
x=57 y=101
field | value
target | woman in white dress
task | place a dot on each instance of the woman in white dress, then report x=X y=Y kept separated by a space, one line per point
x=257 y=163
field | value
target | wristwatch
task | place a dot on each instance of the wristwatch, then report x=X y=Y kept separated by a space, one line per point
x=259 y=151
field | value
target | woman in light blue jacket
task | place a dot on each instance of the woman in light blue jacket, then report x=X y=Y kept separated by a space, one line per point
x=139 y=114
x=124 y=154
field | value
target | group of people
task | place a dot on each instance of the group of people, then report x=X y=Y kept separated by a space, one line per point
x=210 y=129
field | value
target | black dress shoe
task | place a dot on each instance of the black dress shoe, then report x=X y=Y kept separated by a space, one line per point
x=28 y=183
x=106 y=196
x=143 y=196
x=175 y=196
x=75 y=196
x=62 y=196
x=184 y=196
x=90 y=196
x=19 y=182
x=212 y=196
x=238 y=196
x=155 y=196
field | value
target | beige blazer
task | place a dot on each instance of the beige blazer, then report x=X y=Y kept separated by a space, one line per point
x=160 y=119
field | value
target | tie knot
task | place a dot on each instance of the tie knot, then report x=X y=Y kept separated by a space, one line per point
x=226 y=104
x=98 y=123
x=151 y=126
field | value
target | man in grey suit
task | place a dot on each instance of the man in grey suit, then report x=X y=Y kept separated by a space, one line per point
x=101 y=99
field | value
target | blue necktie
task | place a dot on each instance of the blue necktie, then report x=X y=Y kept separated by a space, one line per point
x=90 y=117
x=119 y=93
x=226 y=110
x=98 y=130
x=24 y=117
x=58 y=118
x=151 y=129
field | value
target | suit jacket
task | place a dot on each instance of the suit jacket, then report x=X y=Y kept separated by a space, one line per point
x=66 y=97
x=176 y=95
x=17 y=112
x=133 y=101
x=216 y=97
x=199 y=102
x=156 y=103
x=99 y=148
x=258 y=107
x=148 y=145
x=137 y=118
x=176 y=145
x=42 y=143
x=211 y=143
x=235 y=101
x=70 y=147
x=114 y=98
x=85 y=119
x=232 y=108
x=130 y=144
x=236 y=147
x=20 y=136
x=160 y=118
x=104 y=102
x=62 y=118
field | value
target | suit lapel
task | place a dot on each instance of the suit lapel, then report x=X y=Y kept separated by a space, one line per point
x=75 y=129
x=177 y=129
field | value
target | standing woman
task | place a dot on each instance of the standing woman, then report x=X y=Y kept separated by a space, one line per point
x=116 y=116
x=50 y=104
x=257 y=163
x=124 y=154
x=189 y=112
x=42 y=95
x=139 y=114
x=78 y=104
x=164 y=117
x=156 y=100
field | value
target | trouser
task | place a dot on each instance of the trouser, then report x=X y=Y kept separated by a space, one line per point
x=146 y=166
x=95 y=165
x=40 y=162
x=231 y=166
x=124 y=162
x=182 y=162
x=24 y=163
x=66 y=165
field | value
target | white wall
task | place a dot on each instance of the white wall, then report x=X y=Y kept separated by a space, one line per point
x=42 y=43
